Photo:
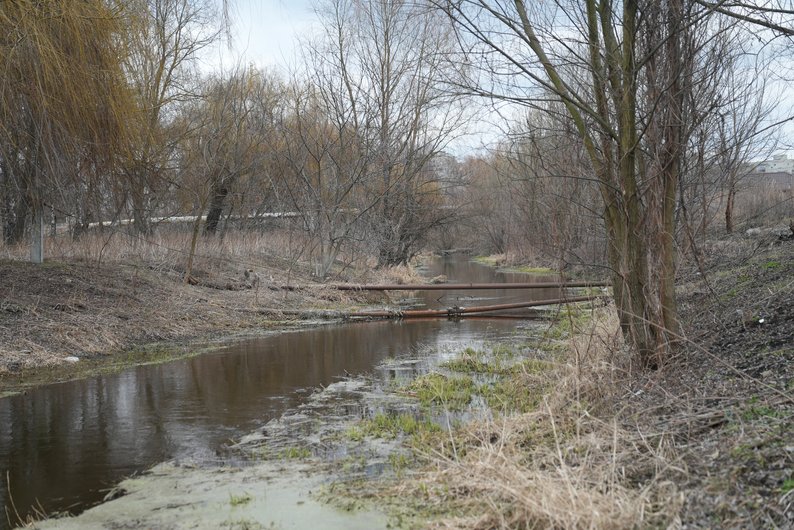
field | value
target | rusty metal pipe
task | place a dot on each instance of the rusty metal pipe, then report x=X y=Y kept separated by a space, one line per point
x=454 y=312
x=447 y=286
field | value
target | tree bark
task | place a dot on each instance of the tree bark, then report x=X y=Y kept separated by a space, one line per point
x=729 y=209
x=219 y=194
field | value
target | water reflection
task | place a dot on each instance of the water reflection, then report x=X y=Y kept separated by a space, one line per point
x=64 y=445
x=459 y=270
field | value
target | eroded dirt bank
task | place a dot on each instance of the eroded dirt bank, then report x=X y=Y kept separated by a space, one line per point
x=64 y=320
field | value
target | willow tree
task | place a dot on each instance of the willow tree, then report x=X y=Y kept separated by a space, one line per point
x=62 y=101
x=222 y=147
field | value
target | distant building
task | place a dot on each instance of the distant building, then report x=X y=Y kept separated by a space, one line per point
x=776 y=173
x=778 y=164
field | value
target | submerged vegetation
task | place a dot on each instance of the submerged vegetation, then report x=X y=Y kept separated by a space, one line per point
x=447 y=392
x=393 y=425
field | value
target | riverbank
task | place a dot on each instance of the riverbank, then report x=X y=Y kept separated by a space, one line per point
x=551 y=427
x=585 y=440
x=70 y=319
x=706 y=442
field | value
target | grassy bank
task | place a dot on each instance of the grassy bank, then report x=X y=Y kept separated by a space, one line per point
x=98 y=305
x=508 y=264
x=541 y=451
x=575 y=437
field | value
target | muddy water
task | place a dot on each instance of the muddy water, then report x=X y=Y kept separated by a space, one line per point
x=62 y=447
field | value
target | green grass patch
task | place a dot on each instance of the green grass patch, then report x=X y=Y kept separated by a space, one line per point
x=452 y=393
x=399 y=462
x=498 y=260
x=526 y=269
x=491 y=261
x=469 y=365
x=503 y=350
x=473 y=365
x=392 y=425
x=355 y=434
x=572 y=320
x=533 y=366
x=296 y=453
x=755 y=412
x=512 y=394
x=731 y=294
x=788 y=485
x=495 y=366
x=770 y=265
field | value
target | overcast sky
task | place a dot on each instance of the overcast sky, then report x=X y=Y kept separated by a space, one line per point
x=264 y=31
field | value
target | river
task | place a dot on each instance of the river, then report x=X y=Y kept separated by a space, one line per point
x=63 y=446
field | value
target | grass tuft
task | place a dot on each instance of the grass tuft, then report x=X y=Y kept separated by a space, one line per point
x=392 y=425
x=451 y=393
x=239 y=500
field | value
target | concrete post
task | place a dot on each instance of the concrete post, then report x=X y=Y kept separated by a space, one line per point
x=37 y=236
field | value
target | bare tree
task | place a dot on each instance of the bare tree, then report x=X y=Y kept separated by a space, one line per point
x=324 y=171
x=381 y=66
x=165 y=39
x=625 y=73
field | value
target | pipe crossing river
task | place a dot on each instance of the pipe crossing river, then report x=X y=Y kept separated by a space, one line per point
x=64 y=446
x=446 y=286
x=459 y=312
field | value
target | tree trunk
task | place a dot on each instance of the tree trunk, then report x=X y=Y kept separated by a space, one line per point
x=219 y=194
x=729 y=209
x=17 y=222
x=642 y=305
x=140 y=214
x=192 y=252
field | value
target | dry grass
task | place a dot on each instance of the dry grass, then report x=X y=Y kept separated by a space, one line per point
x=168 y=248
x=399 y=274
x=111 y=291
x=569 y=464
x=762 y=205
x=277 y=252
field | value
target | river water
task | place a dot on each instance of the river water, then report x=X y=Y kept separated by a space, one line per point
x=63 y=446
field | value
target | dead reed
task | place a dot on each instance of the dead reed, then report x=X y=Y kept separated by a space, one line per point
x=568 y=464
